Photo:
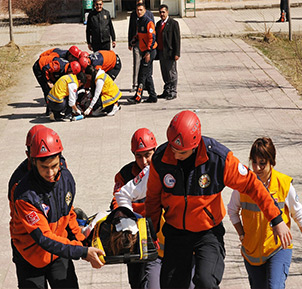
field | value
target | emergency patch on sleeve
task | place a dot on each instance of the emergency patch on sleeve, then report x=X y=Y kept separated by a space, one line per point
x=32 y=218
x=296 y=198
x=151 y=30
x=242 y=169
x=138 y=178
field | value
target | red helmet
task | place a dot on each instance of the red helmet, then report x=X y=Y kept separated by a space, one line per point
x=184 y=131
x=74 y=51
x=74 y=66
x=45 y=143
x=84 y=62
x=143 y=140
x=32 y=132
x=84 y=54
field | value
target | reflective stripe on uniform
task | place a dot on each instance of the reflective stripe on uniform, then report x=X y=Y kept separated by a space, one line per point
x=255 y=208
x=250 y=207
x=257 y=260
x=54 y=99
x=116 y=97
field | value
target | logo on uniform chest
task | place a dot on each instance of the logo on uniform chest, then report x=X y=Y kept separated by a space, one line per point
x=204 y=181
x=169 y=181
x=68 y=198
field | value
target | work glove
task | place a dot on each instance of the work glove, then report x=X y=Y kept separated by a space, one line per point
x=87 y=111
x=77 y=112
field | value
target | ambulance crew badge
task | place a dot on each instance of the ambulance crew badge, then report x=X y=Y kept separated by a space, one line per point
x=204 y=181
x=138 y=178
x=32 y=218
x=169 y=181
x=68 y=198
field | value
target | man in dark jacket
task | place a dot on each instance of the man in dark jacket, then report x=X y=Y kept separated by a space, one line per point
x=133 y=43
x=99 y=28
x=168 y=49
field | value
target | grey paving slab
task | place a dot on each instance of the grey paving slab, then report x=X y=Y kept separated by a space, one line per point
x=235 y=91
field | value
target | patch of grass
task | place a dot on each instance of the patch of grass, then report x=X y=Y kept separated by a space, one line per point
x=285 y=55
x=12 y=59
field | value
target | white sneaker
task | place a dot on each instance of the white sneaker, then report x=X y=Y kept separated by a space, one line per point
x=114 y=110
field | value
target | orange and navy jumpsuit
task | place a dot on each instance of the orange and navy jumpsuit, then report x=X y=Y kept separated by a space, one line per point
x=190 y=193
x=108 y=61
x=147 y=44
x=50 y=67
x=43 y=212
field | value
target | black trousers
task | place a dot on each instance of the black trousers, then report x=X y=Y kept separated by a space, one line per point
x=113 y=73
x=284 y=6
x=59 y=274
x=181 y=246
x=145 y=76
x=136 y=275
x=40 y=76
x=100 y=46
x=169 y=74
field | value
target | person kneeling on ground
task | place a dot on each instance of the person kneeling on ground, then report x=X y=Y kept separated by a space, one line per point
x=105 y=93
x=63 y=96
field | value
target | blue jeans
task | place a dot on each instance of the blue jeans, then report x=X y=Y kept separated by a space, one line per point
x=271 y=274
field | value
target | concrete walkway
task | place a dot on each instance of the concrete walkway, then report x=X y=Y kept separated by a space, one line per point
x=235 y=91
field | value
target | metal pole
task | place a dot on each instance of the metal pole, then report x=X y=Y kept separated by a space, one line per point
x=11 y=37
x=290 y=34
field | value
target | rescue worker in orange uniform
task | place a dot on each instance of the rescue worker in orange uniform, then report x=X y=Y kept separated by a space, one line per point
x=143 y=145
x=54 y=63
x=43 y=204
x=23 y=168
x=106 y=60
x=187 y=175
x=147 y=45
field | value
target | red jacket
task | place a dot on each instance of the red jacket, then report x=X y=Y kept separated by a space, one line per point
x=195 y=203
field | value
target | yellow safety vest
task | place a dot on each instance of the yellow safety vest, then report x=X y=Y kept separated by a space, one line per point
x=110 y=92
x=258 y=243
x=161 y=237
x=60 y=89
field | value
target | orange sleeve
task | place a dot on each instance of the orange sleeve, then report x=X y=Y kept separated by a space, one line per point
x=153 y=197
x=32 y=219
x=151 y=36
x=240 y=178
x=74 y=226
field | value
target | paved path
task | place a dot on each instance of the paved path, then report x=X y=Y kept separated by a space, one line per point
x=235 y=91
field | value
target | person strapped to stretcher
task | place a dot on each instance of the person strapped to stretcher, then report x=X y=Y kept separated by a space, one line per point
x=124 y=236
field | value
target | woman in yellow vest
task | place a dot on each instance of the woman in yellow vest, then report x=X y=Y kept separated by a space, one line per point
x=105 y=93
x=267 y=264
